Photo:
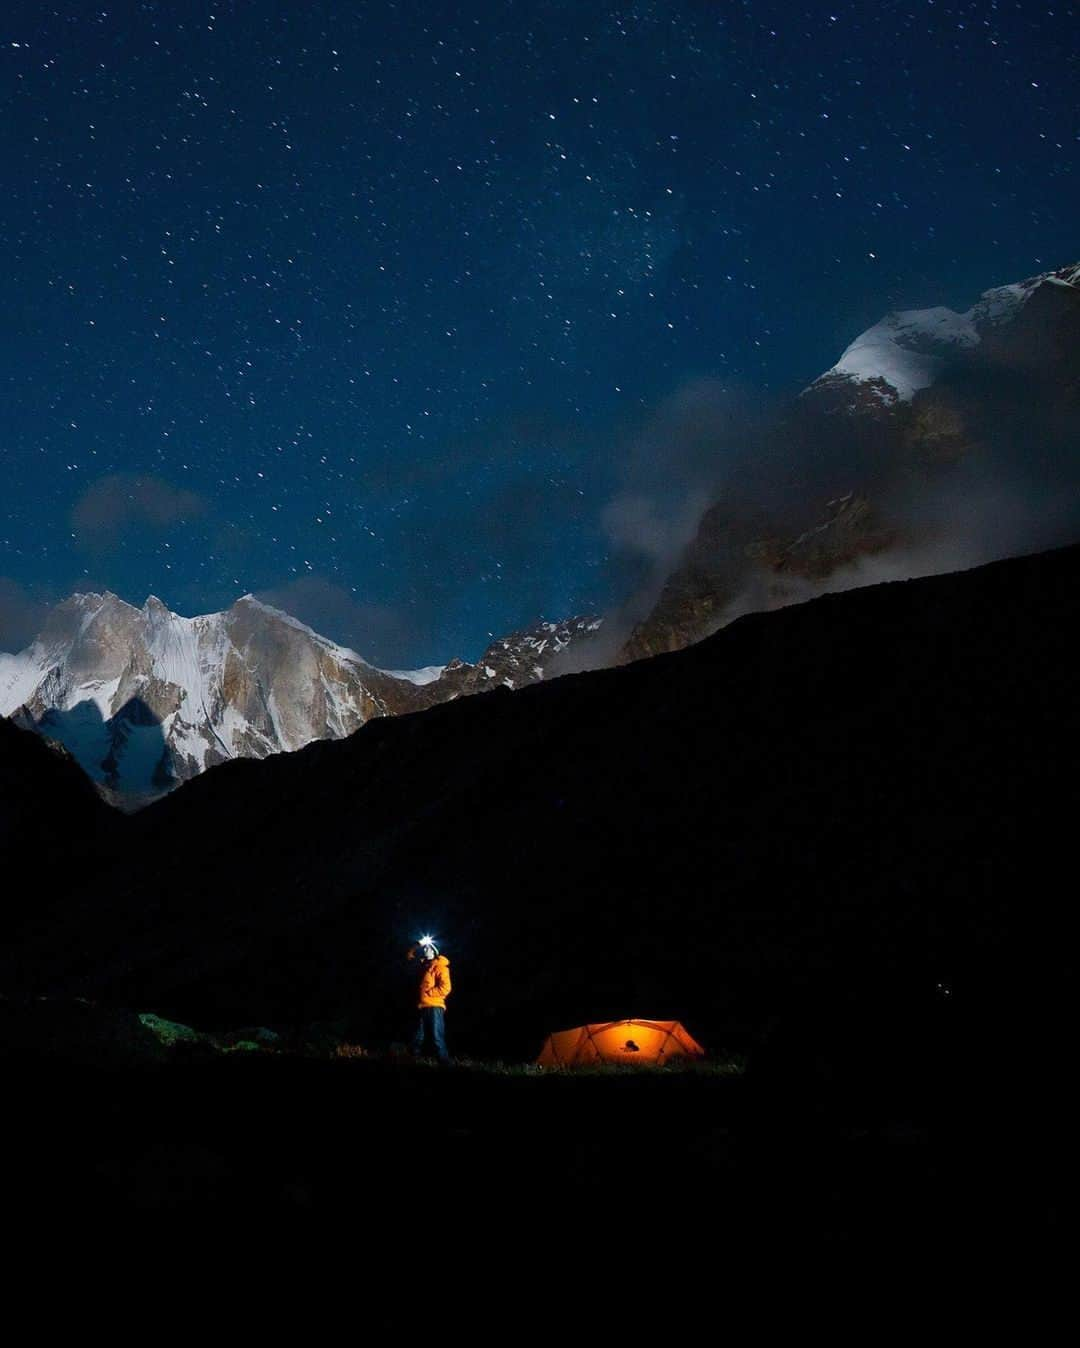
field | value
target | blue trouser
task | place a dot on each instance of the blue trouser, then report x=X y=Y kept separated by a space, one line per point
x=431 y=1028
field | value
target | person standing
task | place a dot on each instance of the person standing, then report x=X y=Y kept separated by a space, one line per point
x=433 y=991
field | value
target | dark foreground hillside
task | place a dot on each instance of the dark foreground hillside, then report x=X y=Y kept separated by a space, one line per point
x=45 y=797
x=845 y=812
x=836 y=839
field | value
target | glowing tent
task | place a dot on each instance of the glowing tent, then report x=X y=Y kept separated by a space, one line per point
x=648 y=1042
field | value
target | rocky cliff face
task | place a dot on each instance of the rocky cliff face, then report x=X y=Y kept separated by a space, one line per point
x=144 y=698
x=854 y=468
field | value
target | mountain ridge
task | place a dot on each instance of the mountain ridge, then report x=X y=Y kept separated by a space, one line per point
x=145 y=698
x=862 y=478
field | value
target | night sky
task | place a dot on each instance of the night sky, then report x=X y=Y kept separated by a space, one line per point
x=376 y=309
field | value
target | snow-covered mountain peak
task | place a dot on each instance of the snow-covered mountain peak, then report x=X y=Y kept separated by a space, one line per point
x=908 y=349
x=145 y=698
x=249 y=604
x=905 y=349
x=97 y=603
x=250 y=610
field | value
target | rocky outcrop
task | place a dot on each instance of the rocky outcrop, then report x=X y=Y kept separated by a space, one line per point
x=529 y=656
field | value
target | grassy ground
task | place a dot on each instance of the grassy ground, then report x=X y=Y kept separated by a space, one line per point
x=506 y=1197
x=823 y=1139
x=313 y=1138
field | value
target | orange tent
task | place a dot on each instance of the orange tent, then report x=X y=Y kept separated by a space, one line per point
x=648 y=1042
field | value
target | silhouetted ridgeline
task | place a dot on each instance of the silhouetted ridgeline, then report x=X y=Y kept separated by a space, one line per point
x=844 y=803
x=53 y=824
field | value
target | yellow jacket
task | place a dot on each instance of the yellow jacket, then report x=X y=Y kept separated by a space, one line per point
x=435 y=982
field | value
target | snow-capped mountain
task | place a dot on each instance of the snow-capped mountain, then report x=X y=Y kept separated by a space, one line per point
x=907 y=350
x=144 y=698
x=873 y=470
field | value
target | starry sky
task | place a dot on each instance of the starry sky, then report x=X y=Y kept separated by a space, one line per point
x=379 y=309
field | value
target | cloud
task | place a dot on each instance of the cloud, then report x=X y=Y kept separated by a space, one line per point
x=638 y=524
x=672 y=468
x=382 y=635
x=122 y=501
x=21 y=616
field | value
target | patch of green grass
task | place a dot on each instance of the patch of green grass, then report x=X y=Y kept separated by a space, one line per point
x=170 y=1032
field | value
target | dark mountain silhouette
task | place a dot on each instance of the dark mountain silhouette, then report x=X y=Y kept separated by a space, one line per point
x=54 y=828
x=861 y=802
x=44 y=795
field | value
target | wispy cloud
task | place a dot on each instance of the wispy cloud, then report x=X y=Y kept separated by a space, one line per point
x=21 y=615
x=123 y=501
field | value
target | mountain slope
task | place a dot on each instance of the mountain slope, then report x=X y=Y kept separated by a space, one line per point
x=515 y=661
x=144 y=698
x=937 y=439
x=55 y=831
x=42 y=792
x=909 y=350
x=873 y=787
